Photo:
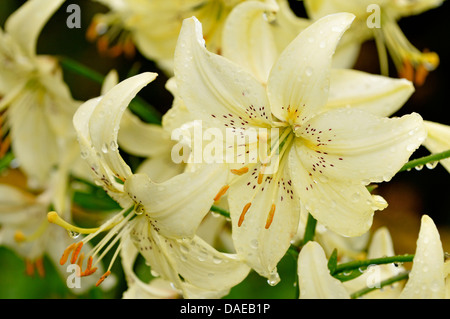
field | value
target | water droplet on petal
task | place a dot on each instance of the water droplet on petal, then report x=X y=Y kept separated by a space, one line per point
x=309 y=71
x=73 y=234
x=273 y=279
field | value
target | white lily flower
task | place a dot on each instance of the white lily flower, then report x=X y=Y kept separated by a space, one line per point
x=37 y=103
x=154 y=26
x=378 y=19
x=254 y=42
x=326 y=157
x=160 y=218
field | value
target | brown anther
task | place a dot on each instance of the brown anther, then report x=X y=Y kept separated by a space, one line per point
x=244 y=211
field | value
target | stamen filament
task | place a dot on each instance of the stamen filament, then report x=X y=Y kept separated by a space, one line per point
x=54 y=218
x=102 y=278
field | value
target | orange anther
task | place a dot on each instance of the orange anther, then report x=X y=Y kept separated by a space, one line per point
x=407 y=71
x=76 y=252
x=80 y=260
x=222 y=192
x=240 y=171
x=40 y=267
x=91 y=33
x=29 y=267
x=66 y=253
x=88 y=272
x=421 y=75
x=244 y=211
x=102 y=278
x=270 y=216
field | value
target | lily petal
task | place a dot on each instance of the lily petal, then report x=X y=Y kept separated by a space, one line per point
x=27 y=22
x=315 y=281
x=426 y=279
x=213 y=87
x=438 y=140
x=352 y=145
x=299 y=80
x=180 y=203
x=248 y=39
x=105 y=121
x=376 y=94
x=265 y=218
x=342 y=206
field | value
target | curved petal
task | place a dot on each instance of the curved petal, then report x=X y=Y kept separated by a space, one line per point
x=142 y=139
x=353 y=145
x=191 y=265
x=262 y=232
x=375 y=94
x=25 y=24
x=299 y=81
x=344 y=207
x=100 y=171
x=248 y=39
x=438 y=140
x=34 y=143
x=426 y=279
x=213 y=88
x=105 y=121
x=315 y=281
x=178 y=205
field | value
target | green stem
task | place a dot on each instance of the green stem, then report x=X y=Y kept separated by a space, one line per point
x=220 y=211
x=389 y=281
x=375 y=261
x=78 y=68
x=310 y=229
x=5 y=161
x=424 y=160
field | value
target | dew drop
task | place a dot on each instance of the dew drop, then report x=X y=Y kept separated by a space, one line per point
x=254 y=244
x=105 y=148
x=73 y=234
x=431 y=165
x=184 y=249
x=273 y=279
x=418 y=167
x=309 y=71
x=217 y=260
x=113 y=146
x=154 y=273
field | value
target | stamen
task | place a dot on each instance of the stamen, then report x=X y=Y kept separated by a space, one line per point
x=19 y=237
x=76 y=252
x=54 y=218
x=240 y=171
x=407 y=71
x=222 y=192
x=40 y=267
x=29 y=267
x=66 y=254
x=102 y=278
x=270 y=216
x=244 y=211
